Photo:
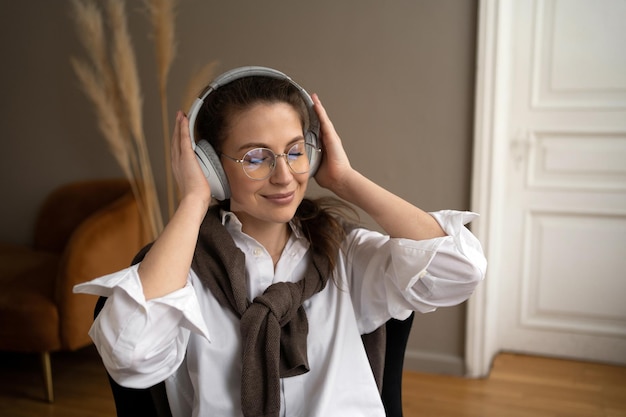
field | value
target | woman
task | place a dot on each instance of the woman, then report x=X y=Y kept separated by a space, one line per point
x=183 y=313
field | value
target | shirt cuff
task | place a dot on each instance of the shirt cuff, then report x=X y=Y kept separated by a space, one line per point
x=453 y=223
x=183 y=299
x=449 y=267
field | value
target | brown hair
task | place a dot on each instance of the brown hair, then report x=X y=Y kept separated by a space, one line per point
x=219 y=107
x=321 y=220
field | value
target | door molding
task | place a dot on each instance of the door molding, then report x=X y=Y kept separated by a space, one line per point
x=490 y=152
x=529 y=120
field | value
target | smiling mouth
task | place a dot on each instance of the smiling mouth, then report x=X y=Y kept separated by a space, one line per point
x=281 y=198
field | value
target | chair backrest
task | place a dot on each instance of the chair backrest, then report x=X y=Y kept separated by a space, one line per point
x=105 y=231
x=397 y=338
x=68 y=206
x=131 y=402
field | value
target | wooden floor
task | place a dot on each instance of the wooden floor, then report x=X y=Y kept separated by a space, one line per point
x=518 y=386
x=521 y=386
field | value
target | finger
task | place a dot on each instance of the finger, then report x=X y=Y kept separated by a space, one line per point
x=330 y=137
x=319 y=109
x=317 y=102
x=175 y=145
x=326 y=125
x=185 y=135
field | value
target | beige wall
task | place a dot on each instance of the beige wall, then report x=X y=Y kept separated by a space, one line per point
x=396 y=78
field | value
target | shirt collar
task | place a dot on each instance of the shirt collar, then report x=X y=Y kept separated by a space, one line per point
x=232 y=223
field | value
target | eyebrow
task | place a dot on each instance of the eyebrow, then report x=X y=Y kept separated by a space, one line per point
x=252 y=145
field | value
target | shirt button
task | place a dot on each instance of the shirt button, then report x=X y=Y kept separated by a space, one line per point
x=257 y=252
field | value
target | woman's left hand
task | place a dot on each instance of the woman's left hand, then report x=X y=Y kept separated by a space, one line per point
x=335 y=167
x=387 y=209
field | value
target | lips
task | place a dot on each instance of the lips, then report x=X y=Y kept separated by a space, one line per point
x=280 y=198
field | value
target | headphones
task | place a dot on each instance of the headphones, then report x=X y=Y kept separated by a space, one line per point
x=205 y=153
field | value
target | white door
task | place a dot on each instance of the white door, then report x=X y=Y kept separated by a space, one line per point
x=550 y=181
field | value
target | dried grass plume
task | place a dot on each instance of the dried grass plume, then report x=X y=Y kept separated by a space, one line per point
x=110 y=78
x=115 y=92
x=162 y=14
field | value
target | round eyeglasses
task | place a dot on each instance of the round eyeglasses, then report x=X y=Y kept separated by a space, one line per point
x=259 y=163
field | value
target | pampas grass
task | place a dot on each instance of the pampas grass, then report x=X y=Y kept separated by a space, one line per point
x=198 y=81
x=110 y=79
x=115 y=93
x=162 y=13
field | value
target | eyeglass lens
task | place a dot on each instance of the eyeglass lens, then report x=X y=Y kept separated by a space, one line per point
x=260 y=162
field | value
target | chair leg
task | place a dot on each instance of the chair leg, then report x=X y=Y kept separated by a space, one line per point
x=47 y=376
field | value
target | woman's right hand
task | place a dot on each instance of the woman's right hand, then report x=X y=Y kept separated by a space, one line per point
x=165 y=267
x=189 y=177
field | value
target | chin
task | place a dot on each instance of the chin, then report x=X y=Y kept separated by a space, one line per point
x=284 y=215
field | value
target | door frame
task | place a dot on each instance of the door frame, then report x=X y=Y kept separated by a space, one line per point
x=490 y=154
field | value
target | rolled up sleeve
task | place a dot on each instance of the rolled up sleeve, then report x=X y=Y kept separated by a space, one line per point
x=403 y=275
x=456 y=268
x=142 y=342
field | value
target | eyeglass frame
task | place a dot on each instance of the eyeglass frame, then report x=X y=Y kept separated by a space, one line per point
x=284 y=155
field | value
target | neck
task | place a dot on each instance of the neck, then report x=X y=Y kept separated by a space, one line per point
x=272 y=237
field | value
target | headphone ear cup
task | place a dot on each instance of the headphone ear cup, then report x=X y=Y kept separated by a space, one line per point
x=213 y=170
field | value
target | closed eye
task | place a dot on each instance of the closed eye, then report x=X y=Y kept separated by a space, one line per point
x=258 y=156
x=255 y=161
x=295 y=155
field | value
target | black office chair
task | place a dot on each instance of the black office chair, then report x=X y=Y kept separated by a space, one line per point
x=397 y=337
x=152 y=402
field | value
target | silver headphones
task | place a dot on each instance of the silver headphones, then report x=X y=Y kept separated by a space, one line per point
x=206 y=155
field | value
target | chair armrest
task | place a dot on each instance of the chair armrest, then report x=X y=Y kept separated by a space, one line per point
x=105 y=242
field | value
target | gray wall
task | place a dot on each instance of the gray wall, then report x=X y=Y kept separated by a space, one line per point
x=396 y=78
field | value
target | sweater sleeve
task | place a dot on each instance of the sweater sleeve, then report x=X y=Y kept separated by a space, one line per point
x=142 y=342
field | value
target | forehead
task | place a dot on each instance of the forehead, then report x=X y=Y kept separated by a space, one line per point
x=264 y=124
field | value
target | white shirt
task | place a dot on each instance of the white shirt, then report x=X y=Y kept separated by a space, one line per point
x=187 y=339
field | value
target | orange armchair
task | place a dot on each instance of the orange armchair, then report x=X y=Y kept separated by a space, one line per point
x=83 y=230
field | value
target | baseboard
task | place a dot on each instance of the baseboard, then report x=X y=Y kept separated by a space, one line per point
x=432 y=362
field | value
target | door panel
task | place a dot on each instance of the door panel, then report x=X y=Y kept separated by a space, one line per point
x=558 y=221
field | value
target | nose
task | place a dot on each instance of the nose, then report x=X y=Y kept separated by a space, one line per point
x=282 y=172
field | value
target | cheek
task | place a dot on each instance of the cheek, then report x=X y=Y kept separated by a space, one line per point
x=242 y=188
x=234 y=175
x=241 y=197
x=303 y=179
x=235 y=182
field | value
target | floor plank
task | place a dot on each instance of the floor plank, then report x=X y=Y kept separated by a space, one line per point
x=81 y=388
x=518 y=386
x=521 y=386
